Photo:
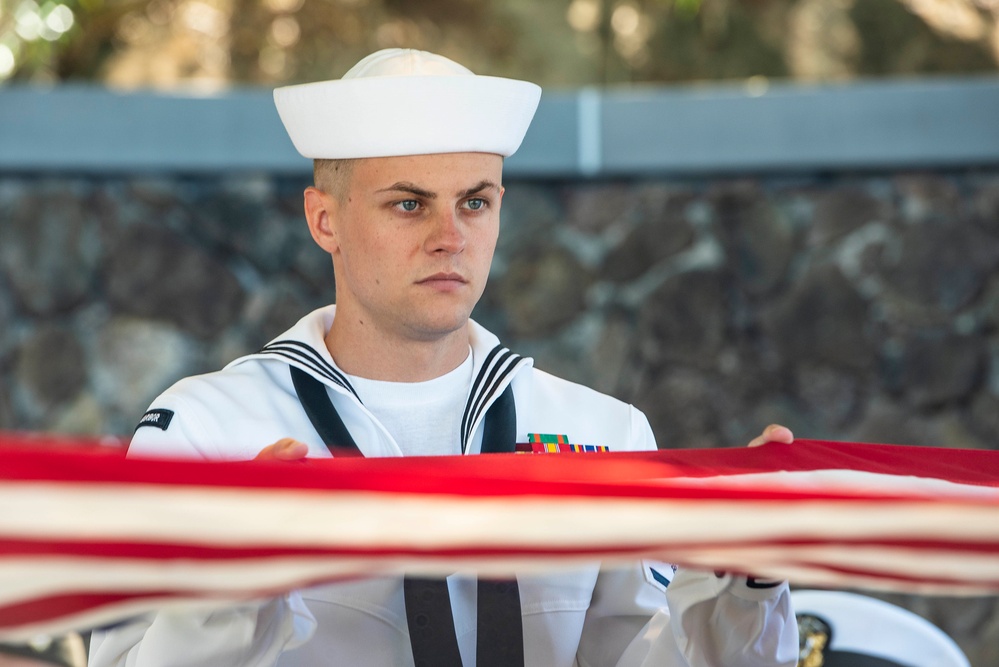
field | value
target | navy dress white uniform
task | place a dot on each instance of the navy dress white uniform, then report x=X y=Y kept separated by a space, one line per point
x=414 y=103
x=581 y=616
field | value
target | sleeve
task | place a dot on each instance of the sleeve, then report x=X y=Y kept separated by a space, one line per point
x=651 y=614
x=248 y=635
x=252 y=635
x=729 y=620
x=175 y=427
x=694 y=619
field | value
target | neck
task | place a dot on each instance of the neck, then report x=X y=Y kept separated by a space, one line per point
x=369 y=353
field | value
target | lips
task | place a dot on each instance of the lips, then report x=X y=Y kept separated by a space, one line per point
x=444 y=278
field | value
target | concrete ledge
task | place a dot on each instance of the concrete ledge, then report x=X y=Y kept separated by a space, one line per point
x=73 y=128
x=615 y=132
x=864 y=126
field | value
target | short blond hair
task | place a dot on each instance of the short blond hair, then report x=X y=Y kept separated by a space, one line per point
x=333 y=176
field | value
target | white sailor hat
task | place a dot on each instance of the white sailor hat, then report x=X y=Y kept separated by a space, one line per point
x=840 y=629
x=407 y=102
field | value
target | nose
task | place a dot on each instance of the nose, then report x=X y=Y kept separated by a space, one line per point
x=446 y=234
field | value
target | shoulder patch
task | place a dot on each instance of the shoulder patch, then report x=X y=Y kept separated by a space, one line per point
x=159 y=418
x=658 y=574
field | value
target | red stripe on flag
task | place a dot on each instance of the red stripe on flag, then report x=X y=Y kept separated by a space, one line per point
x=22 y=459
x=41 y=609
x=166 y=551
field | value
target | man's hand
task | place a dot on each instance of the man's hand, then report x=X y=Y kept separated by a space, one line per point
x=773 y=433
x=285 y=449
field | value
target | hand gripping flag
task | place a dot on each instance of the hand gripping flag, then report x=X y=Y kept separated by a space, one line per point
x=89 y=538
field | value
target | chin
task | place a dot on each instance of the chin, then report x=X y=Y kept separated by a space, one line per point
x=437 y=328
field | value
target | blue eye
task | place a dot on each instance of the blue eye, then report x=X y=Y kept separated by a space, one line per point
x=409 y=205
x=476 y=204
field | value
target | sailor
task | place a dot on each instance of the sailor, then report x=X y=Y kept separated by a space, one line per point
x=408 y=149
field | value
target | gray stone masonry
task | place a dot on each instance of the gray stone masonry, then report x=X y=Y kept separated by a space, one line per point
x=858 y=307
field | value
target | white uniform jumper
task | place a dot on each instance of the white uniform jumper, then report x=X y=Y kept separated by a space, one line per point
x=584 y=615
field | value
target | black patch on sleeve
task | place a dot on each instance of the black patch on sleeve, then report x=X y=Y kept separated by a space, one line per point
x=753 y=582
x=159 y=418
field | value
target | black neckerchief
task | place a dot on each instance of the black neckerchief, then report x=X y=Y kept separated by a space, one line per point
x=499 y=624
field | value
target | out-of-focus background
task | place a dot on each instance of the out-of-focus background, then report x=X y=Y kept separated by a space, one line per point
x=211 y=44
x=729 y=213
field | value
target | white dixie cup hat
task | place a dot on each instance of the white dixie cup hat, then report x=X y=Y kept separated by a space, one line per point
x=407 y=102
x=843 y=629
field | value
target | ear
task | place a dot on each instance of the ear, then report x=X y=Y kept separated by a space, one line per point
x=320 y=213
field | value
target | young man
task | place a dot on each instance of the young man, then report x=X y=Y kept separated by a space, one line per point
x=409 y=149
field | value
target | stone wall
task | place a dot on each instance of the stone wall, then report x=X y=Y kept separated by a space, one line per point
x=846 y=306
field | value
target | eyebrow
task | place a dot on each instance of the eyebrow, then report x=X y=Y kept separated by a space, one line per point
x=482 y=185
x=404 y=186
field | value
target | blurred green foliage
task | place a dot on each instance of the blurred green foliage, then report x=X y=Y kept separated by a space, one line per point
x=173 y=43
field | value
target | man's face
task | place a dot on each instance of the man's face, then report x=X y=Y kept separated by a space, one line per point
x=413 y=239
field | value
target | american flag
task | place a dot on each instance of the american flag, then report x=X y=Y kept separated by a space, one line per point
x=88 y=537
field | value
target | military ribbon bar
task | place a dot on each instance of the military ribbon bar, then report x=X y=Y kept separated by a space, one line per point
x=557 y=447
